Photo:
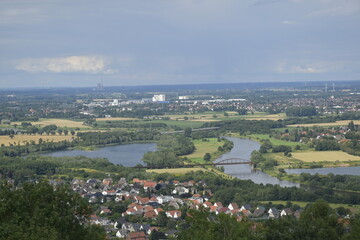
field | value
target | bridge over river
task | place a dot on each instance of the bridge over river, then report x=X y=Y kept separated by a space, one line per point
x=229 y=161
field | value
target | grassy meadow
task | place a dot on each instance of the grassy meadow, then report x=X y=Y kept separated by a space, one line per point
x=204 y=147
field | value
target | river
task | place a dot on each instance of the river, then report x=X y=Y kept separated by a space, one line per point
x=243 y=149
x=131 y=154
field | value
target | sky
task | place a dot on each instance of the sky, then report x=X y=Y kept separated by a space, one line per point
x=149 y=42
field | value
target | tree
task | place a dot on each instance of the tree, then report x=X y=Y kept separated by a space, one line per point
x=187 y=132
x=319 y=221
x=351 y=126
x=207 y=157
x=162 y=219
x=205 y=225
x=38 y=211
x=242 y=111
x=155 y=235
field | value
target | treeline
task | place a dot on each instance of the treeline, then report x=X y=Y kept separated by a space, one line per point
x=340 y=182
x=52 y=129
x=301 y=111
x=38 y=167
x=34 y=147
x=118 y=137
x=322 y=119
x=351 y=147
x=123 y=124
x=246 y=126
x=7 y=132
x=318 y=221
x=326 y=145
x=84 y=139
x=134 y=113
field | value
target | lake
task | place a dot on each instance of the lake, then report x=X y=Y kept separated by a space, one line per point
x=127 y=155
x=243 y=149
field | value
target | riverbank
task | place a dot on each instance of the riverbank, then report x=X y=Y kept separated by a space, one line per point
x=242 y=150
x=211 y=146
x=301 y=157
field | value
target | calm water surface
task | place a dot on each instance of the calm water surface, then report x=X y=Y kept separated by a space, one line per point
x=131 y=154
x=242 y=149
x=127 y=155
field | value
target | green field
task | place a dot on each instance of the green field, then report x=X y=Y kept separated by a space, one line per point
x=204 y=147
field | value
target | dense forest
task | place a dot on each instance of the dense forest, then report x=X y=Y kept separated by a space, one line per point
x=40 y=212
x=301 y=111
x=118 y=137
x=170 y=149
x=340 y=182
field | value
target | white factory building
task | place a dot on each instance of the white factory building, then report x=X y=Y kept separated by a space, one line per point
x=159 y=98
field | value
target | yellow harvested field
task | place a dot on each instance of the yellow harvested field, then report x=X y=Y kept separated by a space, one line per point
x=337 y=123
x=324 y=156
x=58 y=122
x=179 y=171
x=21 y=139
x=114 y=119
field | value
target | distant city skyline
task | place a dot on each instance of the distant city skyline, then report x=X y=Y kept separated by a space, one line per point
x=139 y=42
